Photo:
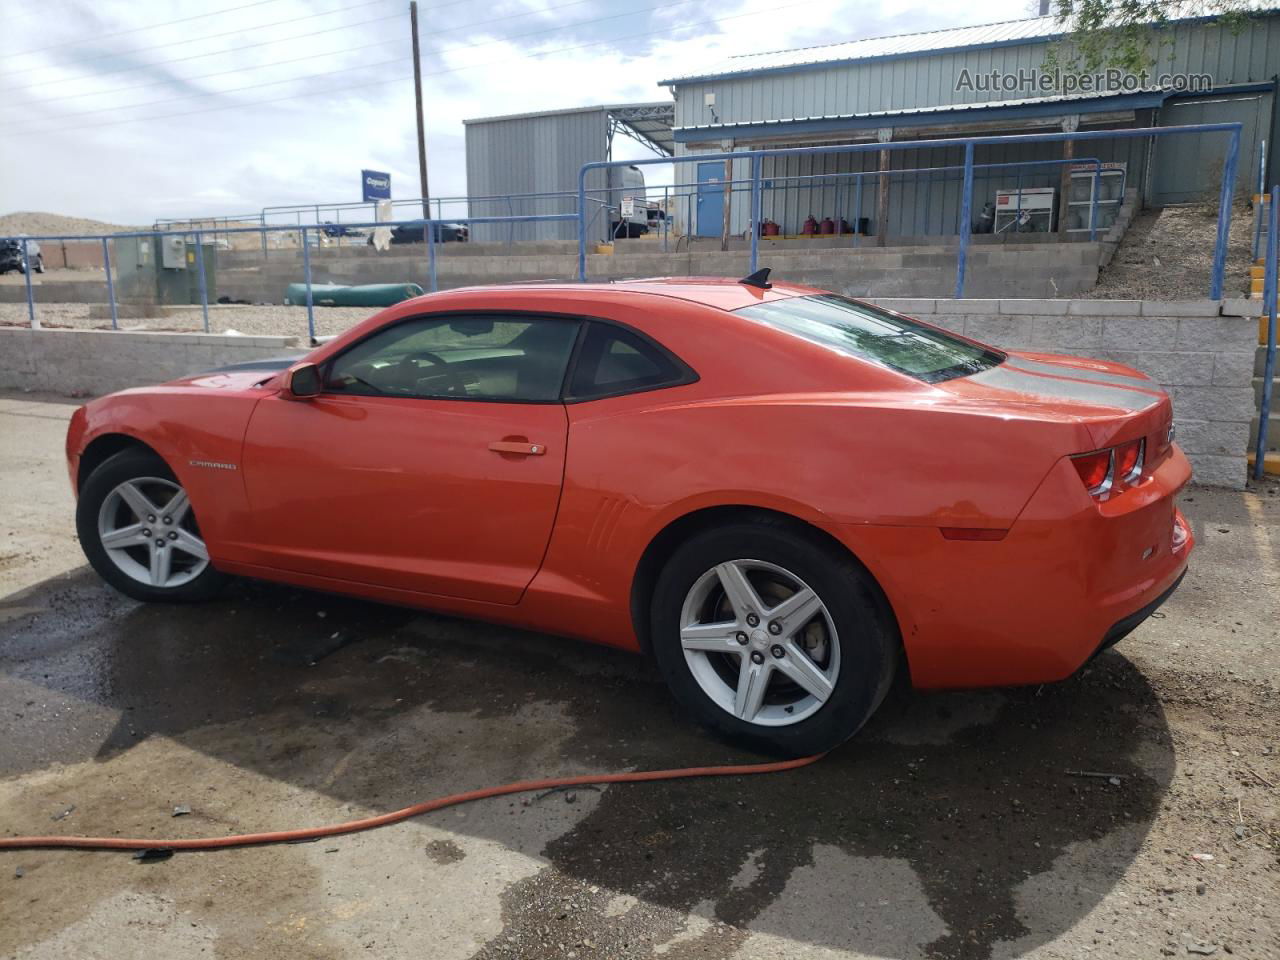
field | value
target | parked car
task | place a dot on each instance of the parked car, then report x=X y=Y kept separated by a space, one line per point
x=336 y=230
x=415 y=231
x=780 y=494
x=12 y=258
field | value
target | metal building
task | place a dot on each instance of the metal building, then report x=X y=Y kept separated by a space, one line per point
x=511 y=157
x=932 y=85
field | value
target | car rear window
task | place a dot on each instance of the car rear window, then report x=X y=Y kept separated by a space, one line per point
x=868 y=333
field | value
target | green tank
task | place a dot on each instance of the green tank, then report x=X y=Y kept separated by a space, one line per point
x=336 y=295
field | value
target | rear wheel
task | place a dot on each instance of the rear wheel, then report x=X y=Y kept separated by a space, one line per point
x=772 y=637
x=139 y=532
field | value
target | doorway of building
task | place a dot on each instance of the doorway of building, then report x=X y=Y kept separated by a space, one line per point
x=710 y=219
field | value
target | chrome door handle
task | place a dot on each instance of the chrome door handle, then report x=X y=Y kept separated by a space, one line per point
x=524 y=449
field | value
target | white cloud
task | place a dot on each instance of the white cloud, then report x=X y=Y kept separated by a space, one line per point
x=66 y=153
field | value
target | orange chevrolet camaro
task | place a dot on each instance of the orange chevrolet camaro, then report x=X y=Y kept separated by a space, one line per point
x=780 y=494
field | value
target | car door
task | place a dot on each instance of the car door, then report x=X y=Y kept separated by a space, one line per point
x=431 y=461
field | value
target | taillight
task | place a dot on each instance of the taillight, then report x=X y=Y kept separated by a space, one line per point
x=1129 y=460
x=1103 y=471
x=1095 y=470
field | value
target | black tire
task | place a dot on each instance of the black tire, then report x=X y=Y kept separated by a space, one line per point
x=39 y=264
x=127 y=465
x=868 y=637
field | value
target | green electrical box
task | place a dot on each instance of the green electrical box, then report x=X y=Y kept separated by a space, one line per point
x=164 y=269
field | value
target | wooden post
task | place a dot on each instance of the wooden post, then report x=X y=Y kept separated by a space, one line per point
x=1069 y=125
x=884 y=135
x=417 y=96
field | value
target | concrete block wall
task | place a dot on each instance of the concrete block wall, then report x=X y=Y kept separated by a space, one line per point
x=1200 y=351
x=58 y=291
x=76 y=255
x=95 y=362
x=1037 y=269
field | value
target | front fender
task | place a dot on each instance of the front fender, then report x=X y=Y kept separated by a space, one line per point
x=199 y=436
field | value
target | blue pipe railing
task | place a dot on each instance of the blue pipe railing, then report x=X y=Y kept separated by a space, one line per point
x=431 y=229
x=1270 y=292
x=821 y=181
x=1233 y=131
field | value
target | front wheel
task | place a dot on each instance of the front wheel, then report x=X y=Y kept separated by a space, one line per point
x=772 y=637
x=139 y=532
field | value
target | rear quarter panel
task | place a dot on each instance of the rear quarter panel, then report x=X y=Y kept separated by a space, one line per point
x=861 y=446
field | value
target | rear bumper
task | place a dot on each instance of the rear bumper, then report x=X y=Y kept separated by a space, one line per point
x=1126 y=625
x=1069 y=577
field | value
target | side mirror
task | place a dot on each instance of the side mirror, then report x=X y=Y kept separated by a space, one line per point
x=304 y=381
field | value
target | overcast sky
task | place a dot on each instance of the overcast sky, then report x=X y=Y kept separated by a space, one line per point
x=109 y=109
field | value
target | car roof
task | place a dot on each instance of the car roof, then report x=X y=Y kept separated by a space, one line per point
x=723 y=293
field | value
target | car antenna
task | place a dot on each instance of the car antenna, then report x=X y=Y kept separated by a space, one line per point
x=758 y=279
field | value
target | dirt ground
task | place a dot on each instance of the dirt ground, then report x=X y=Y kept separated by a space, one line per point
x=1167 y=254
x=952 y=827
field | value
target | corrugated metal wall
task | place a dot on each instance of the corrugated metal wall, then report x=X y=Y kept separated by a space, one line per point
x=538 y=154
x=920 y=204
x=1251 y=56
x=929 y=204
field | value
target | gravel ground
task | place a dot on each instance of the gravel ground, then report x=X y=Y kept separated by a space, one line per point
x=1167 y=254
x=256 y=320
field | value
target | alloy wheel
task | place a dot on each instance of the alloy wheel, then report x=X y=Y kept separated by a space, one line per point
x=148 y=531
x=760 y=642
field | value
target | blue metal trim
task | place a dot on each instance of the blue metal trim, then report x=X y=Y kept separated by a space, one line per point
x=1261 y=87
x=1270 y=292
x=966 y=215
x=289 y=228
x=1136 y=101
x=756 y=163
x=306 y=273
x=204 y=289
x=1226 y=195
x=31 y=300
x=431 y=258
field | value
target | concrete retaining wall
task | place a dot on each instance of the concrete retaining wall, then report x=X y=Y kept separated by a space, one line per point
x=72 y=254
x=1200 y=351
x=57 y=291
x=82 y=363
x=1033 y=269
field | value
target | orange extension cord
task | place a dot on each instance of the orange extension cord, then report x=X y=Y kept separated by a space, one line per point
x=395 y=816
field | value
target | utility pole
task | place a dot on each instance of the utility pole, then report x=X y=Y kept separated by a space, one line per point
x=417 y=97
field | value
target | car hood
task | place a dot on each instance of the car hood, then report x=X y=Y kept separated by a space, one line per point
x=239 y=376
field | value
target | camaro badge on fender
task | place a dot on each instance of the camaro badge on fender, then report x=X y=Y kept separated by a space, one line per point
x=212 y=464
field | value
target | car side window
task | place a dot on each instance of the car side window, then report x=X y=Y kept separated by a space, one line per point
x=475 y=357
x=614 y=360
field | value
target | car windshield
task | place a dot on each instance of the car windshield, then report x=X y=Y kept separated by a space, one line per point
x=869 y=333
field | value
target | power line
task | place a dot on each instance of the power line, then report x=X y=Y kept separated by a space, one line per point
x=366 y=66
x=212 y=36
x=150 y=26
x=203 y=76
x=403 y=77
x=279 y=63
